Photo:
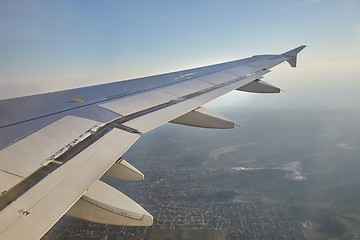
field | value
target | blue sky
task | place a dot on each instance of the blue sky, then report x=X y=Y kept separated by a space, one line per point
x=51 y=45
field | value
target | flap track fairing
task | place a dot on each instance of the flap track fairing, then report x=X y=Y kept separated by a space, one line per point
x=123 y=170
x=259 y=86
x=204 y=118
x=104 y=204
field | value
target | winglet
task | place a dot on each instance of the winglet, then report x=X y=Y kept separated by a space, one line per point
x=292 y=55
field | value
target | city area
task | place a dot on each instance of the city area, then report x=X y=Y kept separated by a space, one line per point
x=271 y=181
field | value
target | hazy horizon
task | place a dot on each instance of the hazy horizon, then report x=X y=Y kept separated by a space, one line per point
x=49 y=46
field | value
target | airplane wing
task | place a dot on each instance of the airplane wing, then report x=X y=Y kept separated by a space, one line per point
x=54 y=147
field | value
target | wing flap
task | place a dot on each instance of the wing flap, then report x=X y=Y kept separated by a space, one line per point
x=32 y=152
x=32 y=214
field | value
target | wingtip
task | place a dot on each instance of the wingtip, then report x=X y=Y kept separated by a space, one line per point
x=294 y=52
x=292 y=55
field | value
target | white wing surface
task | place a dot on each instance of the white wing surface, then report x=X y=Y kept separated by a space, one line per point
x=54 y=147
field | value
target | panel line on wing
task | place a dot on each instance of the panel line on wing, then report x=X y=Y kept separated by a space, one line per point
x=14 y=174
